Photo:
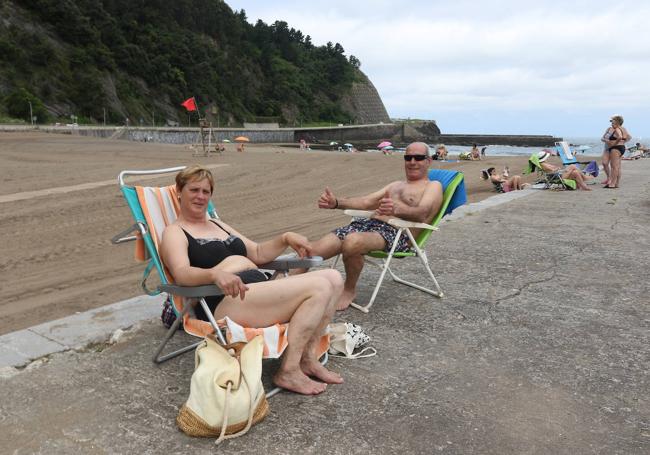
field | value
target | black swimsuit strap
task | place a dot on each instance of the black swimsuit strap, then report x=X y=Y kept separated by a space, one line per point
x=220 y=226
x=212 y=221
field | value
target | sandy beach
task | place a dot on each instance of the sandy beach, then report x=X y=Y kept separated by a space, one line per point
x=61 y=205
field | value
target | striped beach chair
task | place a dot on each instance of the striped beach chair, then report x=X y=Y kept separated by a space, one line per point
x=454 y=195
x=153 y=208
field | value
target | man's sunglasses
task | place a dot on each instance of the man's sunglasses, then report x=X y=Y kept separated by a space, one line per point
x=415 y=157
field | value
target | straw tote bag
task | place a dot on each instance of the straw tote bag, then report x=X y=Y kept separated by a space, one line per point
x=226 y=392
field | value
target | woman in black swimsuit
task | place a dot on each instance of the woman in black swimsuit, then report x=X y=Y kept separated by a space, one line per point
x=200 y=251
x=616 y=149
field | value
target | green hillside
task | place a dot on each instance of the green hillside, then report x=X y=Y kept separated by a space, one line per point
x=141 y=59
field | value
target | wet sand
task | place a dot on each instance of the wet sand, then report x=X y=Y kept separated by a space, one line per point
x=60 y=205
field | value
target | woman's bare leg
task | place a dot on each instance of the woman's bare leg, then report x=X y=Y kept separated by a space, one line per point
x=303 y=300
x=606 y=167
x=309 y=362
x=576 y=175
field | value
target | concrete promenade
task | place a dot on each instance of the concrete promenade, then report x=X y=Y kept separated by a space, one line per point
x=540 y=346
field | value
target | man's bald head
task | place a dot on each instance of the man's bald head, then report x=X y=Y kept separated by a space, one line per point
x=418 y=147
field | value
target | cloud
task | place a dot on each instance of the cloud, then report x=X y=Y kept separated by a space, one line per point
x=429 y=59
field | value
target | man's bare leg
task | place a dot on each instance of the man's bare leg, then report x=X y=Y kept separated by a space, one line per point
x=354 y=247
x=325 y=247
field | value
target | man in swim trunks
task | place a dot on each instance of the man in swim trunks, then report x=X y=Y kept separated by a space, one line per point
x=415 y=199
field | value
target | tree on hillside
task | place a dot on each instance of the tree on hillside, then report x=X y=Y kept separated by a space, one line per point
x=18 y=106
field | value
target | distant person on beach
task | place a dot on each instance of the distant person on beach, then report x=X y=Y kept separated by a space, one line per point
x=569 y=172
x=475 y=153
x=441 y=150
x=615 y=149
x=414 y=199
x=483 y=151
x=605 y=158
x=643 y=150
x=240 y=147
x=503 y=183
x=201 y=251
x=634 y=153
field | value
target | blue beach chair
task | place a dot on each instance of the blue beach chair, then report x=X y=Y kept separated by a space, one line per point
x=454 y=195
x=564 y=150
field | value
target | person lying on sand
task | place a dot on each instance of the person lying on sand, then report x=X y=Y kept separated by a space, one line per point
x=503 y=182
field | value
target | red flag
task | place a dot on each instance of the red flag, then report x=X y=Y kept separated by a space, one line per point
x=189 y=104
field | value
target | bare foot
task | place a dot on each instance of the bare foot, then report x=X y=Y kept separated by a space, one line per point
x=345 y=300
x=315 y=369
x=586 y=188
x=298 y=382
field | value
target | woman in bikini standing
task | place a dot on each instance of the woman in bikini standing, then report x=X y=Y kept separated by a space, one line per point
x=615 y=150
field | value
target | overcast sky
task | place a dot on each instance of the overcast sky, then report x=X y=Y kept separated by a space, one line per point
x=520 y=66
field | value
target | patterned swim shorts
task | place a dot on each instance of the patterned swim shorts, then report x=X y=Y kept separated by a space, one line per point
x=387 y=231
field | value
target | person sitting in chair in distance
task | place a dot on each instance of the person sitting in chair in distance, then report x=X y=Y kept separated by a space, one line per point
x=569 y=172
x=414 y=199
x=199 y=251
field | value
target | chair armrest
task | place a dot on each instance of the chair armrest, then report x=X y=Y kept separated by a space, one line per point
x=400 y=223
x=291 y=261
x=396 y=222
x=359 y=213
x=206 y=290
x=281 y=263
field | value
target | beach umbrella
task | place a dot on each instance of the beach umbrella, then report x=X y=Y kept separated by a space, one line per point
x=384 y=144
x=242 y=139
x=334 y=143
x=347 y=144
x=388 y=147
x=226 y=140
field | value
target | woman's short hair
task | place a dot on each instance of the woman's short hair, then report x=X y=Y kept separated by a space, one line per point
x=618 y=119
x=194 y=173
x=441 y=147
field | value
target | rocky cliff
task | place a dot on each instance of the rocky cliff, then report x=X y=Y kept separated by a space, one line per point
x=364 y=103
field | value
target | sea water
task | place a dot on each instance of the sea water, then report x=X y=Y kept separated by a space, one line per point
x=594 y=144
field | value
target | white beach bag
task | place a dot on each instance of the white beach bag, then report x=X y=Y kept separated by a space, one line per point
x=346 y=338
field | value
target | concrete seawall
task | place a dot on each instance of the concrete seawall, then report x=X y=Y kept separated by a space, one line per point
x=358 y=134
